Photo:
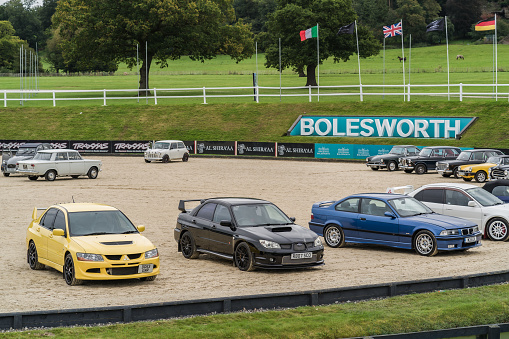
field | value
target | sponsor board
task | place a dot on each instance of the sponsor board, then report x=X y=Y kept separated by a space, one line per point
x=380 y=127
x=90 y=146
x=14 y=145
x=295 y=150
x=215 y=147
x=189 y=146
x=349 y=151
x=256 y=148
x=129 y=146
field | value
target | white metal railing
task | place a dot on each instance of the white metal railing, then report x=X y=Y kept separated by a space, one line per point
x=460 y=91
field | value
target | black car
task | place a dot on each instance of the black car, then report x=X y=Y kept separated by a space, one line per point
x=251 y=232
x=474 y=156
x=427 y=158
x=25 y=152
x=499 y=188
x=499 y=172
x=390 y=160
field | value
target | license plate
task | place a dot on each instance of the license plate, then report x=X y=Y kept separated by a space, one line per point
x=24 y=166
x=305 y=255
x=471 y=239
x=145 y=268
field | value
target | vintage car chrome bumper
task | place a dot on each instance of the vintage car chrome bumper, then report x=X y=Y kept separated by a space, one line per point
x=376 y=164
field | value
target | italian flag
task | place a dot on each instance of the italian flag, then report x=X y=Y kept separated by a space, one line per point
x=486 y=25
x=309 y=33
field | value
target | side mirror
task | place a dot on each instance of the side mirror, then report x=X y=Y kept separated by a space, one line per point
x=390 y=215
x=57 y=232
x=472 y=203
x=292 y=219
x=226 y=223
x=140 y=228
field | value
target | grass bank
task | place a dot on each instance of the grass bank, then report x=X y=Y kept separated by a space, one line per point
x=242 y=122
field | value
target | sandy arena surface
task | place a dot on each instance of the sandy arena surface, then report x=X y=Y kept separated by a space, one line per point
x=149 y=193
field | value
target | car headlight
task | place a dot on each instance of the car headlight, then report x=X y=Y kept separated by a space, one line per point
x=505 y=172
x=269 y=244
x=89 y=257
x=476 y=229
x=436 y=164
x=367 y=159
x=469 y=169
x=151 y=254
x=450 y=232
x=318 y=242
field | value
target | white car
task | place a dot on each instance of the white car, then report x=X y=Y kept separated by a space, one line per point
x=166 y=150
x=469 y=202
x=58 y=163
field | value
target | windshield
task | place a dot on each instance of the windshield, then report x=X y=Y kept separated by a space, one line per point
x=425 y=152
x=397 y=150
x=407 y=207
x=504 y=161
x=161 y=145
x=494 y=160
x=42 y=156
x=464 y=156
x=259 y=215
x=99 y=222
x=26 y=151
x=484 y=197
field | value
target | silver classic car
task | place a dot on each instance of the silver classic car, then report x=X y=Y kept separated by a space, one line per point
x=58 y=162
x=166 y=151
x=25 y=152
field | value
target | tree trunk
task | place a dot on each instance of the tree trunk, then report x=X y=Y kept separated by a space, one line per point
x=144 y=73
x=311 y=78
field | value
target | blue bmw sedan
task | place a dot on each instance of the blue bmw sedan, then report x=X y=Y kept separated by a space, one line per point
x=392 y=220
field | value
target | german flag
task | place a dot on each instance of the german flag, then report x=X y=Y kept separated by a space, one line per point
x=485 y=25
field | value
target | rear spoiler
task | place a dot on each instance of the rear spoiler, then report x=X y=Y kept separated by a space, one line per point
x=34 y=213
x=182 y=204
x=406 y=189
x=326 y=203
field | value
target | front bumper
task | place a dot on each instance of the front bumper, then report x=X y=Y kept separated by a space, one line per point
x=406 y=167
x=113 y=269
x=444 y=171
x=376 y=164
x=269 y=260
x=458 y=242
x=466 y=174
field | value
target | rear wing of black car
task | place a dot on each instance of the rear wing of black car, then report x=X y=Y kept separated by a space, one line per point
x=182 y=204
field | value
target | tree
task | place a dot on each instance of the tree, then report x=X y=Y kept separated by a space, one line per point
x=292 y=17
x=463 y=14
x=373 y=14
x=23 y=18
x=254 y=12
x=9 y=48
x=111 y=29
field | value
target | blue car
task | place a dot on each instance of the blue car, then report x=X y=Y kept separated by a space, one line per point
x=393 y=220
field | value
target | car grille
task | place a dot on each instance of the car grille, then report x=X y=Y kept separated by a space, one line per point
x=118 y=257
x=299 y=246
x=442 y=167
x=467 y=231
x=497 y=173
x=11 y=166
x=122 y=270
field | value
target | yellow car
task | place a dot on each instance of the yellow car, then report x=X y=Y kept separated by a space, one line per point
x=90 y=242
x=480 y=172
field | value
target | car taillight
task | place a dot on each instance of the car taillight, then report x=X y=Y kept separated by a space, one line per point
x=312 y=216
x=33 y=165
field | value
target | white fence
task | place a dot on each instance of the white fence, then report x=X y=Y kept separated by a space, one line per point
x=406 y=92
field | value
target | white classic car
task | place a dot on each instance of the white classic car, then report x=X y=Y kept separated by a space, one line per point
x=166 y=150
x=469 y=202
x=58 y=162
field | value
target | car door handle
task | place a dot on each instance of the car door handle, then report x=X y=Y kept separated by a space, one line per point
x=363 y=218
x=213 y=226
x=193 y=221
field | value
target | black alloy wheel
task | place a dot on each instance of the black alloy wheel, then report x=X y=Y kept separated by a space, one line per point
x=188 y=246
x=69 y=272
x=420 y=169
x=185 y=158
x=33 y=257
x=244 y=259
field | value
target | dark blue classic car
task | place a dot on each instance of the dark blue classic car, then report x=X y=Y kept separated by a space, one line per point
x=392 y=220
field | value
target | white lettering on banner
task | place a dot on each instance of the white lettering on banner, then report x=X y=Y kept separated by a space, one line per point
x=420 y=127
x=365 y=126
x=448 y=128
x=400 y=128
x=59 y=145
x=350 y=127
x=317 y=127
x=135 y=146
x=335 y=129
x=385 y=126
x=306 y=126
x=436 y=123
x=94 y=145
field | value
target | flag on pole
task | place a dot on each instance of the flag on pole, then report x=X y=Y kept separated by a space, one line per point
x=393 y=30
x=348 y=29
x=485 y=25
x=437 y=25
x=309 y=33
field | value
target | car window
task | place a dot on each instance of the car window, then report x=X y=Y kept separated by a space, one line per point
x=99 y=222
x=407 y=207
x=259 y=215
x=48 y=218
x=181 y=145
x=349 y=205
x=222 y=213
x=449 y=152
x=59 y=221
x=374 y=207
x=173 y=145
x=413 y=150
x=431 y=195
x=206 y=211
x=484 y=197
x=42 y=156
x=478 y=156
x=501 y=191
x=505 y=161
x=425 y=152
x=464 y=156
x=438 y=152
x=457 y=198
x=61 y=156
x=74 y=156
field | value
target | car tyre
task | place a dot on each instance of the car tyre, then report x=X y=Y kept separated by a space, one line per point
x=446 y=175
x=497 y=229
x=408 y=170
x=467 y=179
x=455 y=173
x=392 y=166
x=6 y=174
x=147 y=161
x=425 y=244
x=374 y=168
x=33 y=177
x=185 y=158
x=75 y=176
x=50 y=175
x=151 y=278
x=480 y=176
x=166 y=158
x=93 y=172
x=188 y=246
x=70 y=272
x=334 y=236
x=244 y=259
x=33 y=257
x=420 y=169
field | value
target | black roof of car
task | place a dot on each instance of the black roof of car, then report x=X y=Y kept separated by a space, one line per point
x=236 y=201
x=433 y=147
x=481 y=150
x=31 y=144
x=495 y=183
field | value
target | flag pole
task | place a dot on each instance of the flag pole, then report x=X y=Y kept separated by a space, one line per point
x=383 y=96
x=279 y=69
x=358 y=59
x=403 y=56
x=447 y=43
x=318 y=58
x=409 y=66
x=496 y=60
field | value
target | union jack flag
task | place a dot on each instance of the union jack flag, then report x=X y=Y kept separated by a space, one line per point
x=393 y=30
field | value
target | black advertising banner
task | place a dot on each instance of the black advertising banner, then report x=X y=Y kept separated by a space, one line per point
x=124 y=147
x=295 y=150
x=189 y=146
x=215 y=147
x=14 y=145
x=256 y=148
x=91 y=146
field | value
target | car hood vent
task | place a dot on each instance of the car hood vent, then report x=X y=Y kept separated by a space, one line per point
x=281 y=229
x=117 y=243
